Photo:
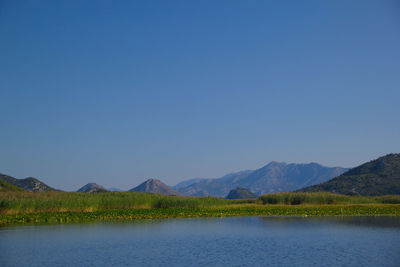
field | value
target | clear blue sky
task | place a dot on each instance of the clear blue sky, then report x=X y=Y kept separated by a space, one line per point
x=116 y=92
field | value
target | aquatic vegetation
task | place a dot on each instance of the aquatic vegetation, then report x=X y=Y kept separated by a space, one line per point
x=234 y=210
x=28 y=202
x=62 y=207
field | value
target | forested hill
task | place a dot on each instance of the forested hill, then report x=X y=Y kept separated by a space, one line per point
x=375 y=178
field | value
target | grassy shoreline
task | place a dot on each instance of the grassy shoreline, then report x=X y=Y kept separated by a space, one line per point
x=227 y=211
x=60 y=207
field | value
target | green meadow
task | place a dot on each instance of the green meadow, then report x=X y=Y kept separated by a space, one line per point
x=63 y=207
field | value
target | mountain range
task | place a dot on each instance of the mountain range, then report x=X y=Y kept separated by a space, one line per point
x=271 y=178
x=377 y=177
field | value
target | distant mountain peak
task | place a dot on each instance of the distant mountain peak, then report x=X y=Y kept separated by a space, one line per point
x=154 y=186
x=92 y=188
x=276 y=163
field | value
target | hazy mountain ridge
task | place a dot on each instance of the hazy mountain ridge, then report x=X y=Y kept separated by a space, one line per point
x=271 y=178
x=377 y=177
x=213 y=187
x=28 y=184
x=188 y=182
x=114 y=189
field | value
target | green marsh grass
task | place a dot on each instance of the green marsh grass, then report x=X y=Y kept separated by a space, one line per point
x=226 y=211
x=31 y=202
x=325 y=199
x=63 y=207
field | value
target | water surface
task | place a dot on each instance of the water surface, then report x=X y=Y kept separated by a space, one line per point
x=238 y=241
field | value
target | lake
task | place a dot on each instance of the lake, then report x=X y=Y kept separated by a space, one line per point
x=236 y=241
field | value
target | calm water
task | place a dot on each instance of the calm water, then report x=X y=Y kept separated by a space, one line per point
x=240 y=241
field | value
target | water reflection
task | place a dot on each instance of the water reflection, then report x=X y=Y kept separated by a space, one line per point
x=356 y=221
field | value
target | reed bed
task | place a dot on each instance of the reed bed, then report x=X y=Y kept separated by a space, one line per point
x=63 y=207
x=226 y=211
x=32 y=202
x=323 y=198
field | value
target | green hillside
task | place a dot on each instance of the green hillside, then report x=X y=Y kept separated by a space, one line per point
x=28 y=184
x=6 y=187
x=375 y=178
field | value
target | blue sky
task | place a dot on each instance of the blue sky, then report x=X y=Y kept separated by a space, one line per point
x=116 y=92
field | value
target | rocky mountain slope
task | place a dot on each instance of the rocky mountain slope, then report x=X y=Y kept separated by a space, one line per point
x=28 y=184
x=92 y=188
x=155 y=186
